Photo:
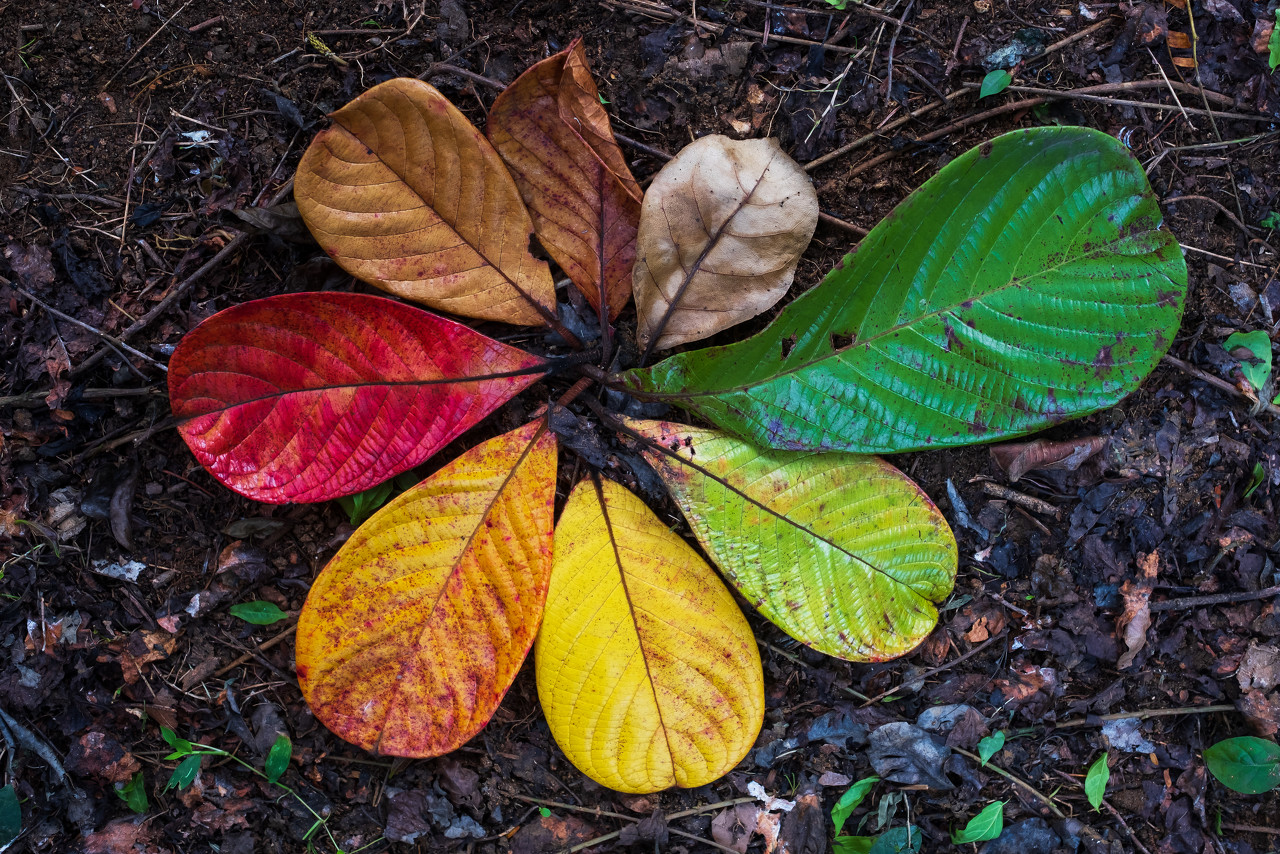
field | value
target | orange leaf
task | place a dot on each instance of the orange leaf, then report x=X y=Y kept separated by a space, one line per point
x=552 y=131
x=407 y=195
x=415 y=630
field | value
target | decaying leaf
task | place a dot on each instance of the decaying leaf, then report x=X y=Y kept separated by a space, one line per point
x=903 y=753
x=1132 y=625
x=407 y=195
x=306 y=397
x=1018 y=458
x=841 y=552
x=722 y=228
x=647 y=671
x=554 y=134
x=415 y=630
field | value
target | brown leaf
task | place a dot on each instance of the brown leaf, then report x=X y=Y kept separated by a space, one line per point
x=98 y=754
x=721 y=230
x=1017 y=458
x=551 y=833
x=1260 y=668
x=734 y=827
x=553 y=133
x=407 y=195
x=1132 y=625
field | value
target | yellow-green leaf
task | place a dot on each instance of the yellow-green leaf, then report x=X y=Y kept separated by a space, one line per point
x=842 y=552
x=647 y=671
x=415 y=630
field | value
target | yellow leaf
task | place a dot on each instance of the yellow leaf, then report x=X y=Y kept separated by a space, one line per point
x=407 y=195
x=415 y=630
x=647 y=671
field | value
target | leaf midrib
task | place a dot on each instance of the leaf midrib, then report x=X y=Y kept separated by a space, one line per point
x=865 y=343
x=770 y=511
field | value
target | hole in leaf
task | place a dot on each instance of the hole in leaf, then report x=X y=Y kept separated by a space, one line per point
x=839 y=342
x=787 y=344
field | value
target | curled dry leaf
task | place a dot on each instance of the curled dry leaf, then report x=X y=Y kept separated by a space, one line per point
x=1132 y=625
x=415 y=630
x=1018 y=458
x=554 y=134
x=722 y=228
x=307 y=397
x=647 y=671
x=407 y=195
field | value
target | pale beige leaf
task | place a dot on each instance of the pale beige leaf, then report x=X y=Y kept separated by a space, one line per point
x=722 y=228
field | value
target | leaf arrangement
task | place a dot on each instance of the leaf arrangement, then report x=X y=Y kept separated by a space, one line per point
x=1027 y=283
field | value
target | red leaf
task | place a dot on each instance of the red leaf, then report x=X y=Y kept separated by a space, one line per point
x=308 y=397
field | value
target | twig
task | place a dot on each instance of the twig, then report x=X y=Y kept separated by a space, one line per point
x=794 y=660
x=143 y=47
x=1030 y=789
x=955 y=51
x=1074 y=37
x=880 y=132
x=1214 y=599
x=1143 y=715
x=1124 y=824
x=640 y=146
x=110 y=340
x=1252 y=828
x=36 y=399
x=204 y=25
x=1216 y=382
x=1082 y=95
x=893 y=43
x=599 y=840
x=262 y=647
x=1030 y=502
x=929 y=674
x=847 y=226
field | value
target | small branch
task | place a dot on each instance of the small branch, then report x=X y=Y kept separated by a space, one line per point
x=1030 y=502
x=1216 y=382
x=1030 y=789
x=262 y=647
x=1143 y=715
x=143 y=47
x=111 y=340
x=1214 y=599
x=929 y=674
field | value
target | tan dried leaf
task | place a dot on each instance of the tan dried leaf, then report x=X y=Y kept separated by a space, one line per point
x=1136 y=619
x=407 y=195
x=722 y=228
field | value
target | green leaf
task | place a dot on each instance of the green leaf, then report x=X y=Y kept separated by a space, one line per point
x=1258 y=343
x=990 y=746
x=544 y=812
x=853 y=844
x=259 y=613
x=1273 y=61
x=995 y=82
x=844 y=553
x=1256 y=478
x=185 y=774
x=899 y=840
x=983 y=827
x=181 y=747
x=362 y=505
x=1026 y=283
x=1095 y=782
x=278 y=758
x=850 y=800
x=134 y=793
x=1272 y=219
x=10 y=815
x=1246 y=764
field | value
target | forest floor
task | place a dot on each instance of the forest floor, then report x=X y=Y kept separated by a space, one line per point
x=135 y=138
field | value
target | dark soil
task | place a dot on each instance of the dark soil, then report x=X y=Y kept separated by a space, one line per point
x=136 y=134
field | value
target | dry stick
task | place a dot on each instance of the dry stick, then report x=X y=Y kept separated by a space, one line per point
x=1252 y=828
x=110 y=340
x=857 y=8
x=662 y=12
x=1080 y=95
x=705 y=808
x=929 y=674
x=262 y=647
x=159 y=30
x=881 y=131
x=893 y=43
x=1216 y=382
x=1032 y=790
x=1124 y=824
x=180 y=289
x=1030 y=502
x=1142 y=715
x=36 y=399
x=1214 y=599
